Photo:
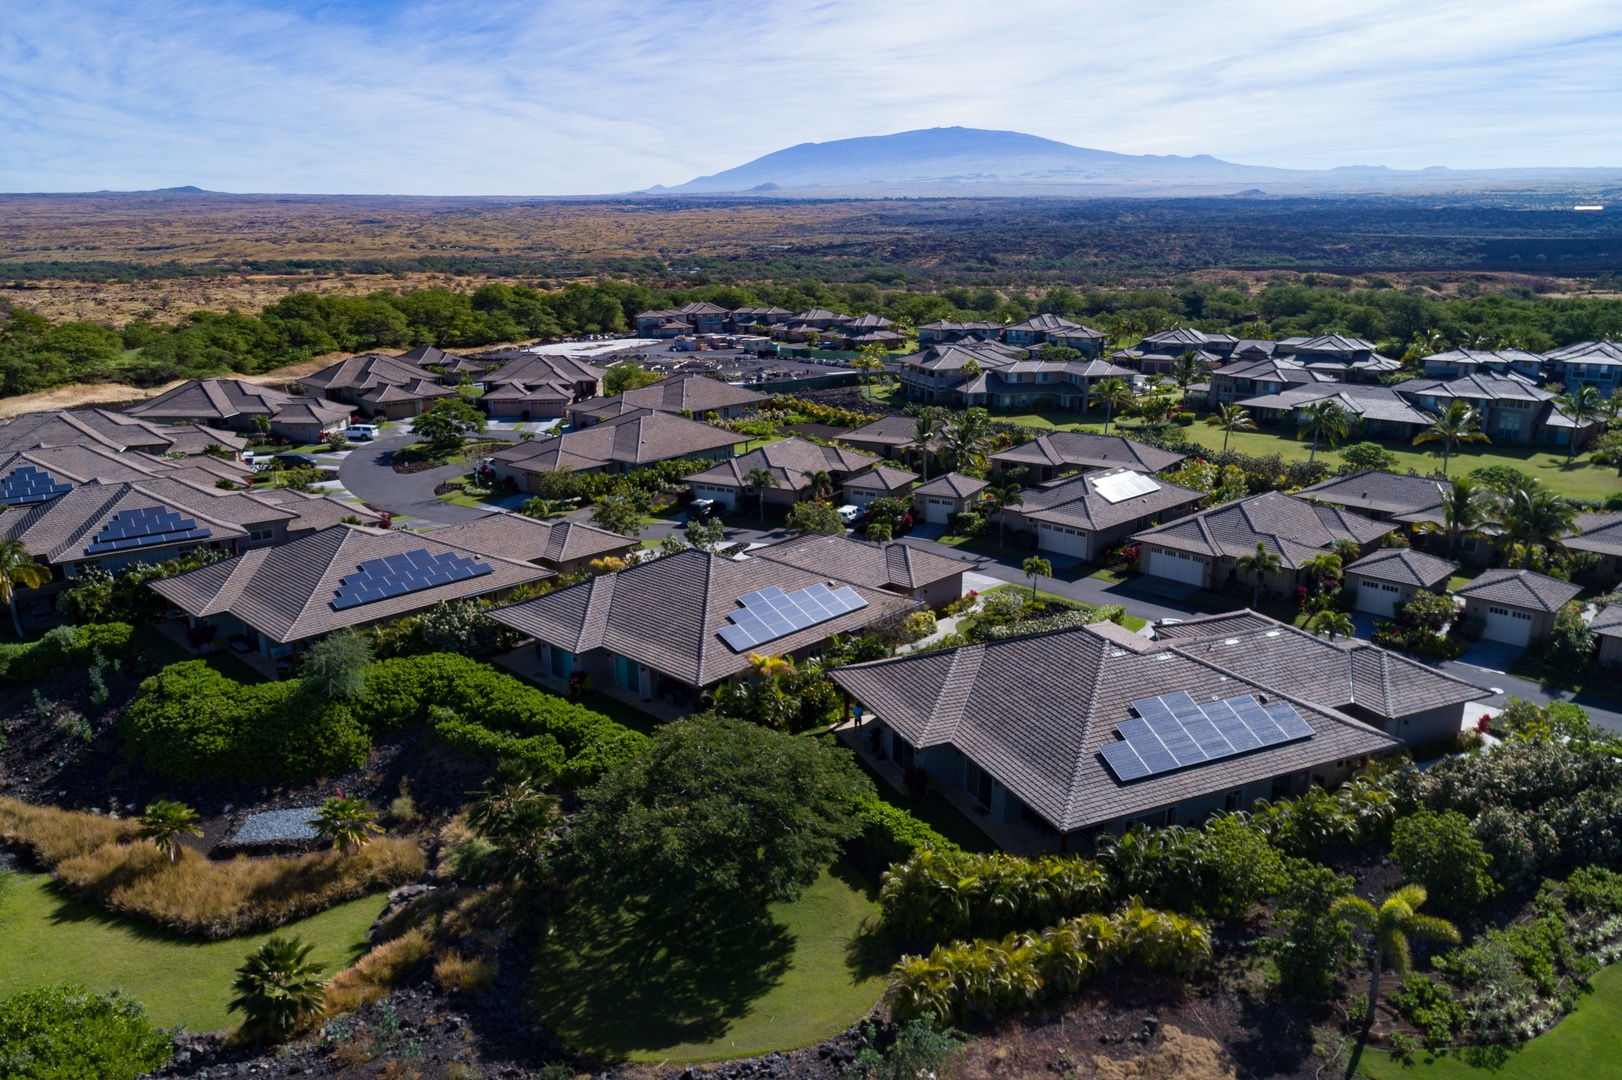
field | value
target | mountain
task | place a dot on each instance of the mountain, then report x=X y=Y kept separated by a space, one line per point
x=958 y=161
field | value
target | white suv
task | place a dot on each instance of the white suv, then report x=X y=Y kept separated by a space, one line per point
x=360 y=432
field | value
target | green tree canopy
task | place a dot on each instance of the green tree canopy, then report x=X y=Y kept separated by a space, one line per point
x=335 y=667
x=815 y=517
x=448 y=422
x=628 y=375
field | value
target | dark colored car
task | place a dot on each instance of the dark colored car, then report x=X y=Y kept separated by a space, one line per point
x=290 y=461
x=703 y=510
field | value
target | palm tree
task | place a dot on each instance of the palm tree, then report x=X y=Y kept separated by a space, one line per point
x=1534 y=516
x=1332 y=624
x=1036 y=566
x=1584 y=406
x=1189 y=368
x=165 y=822
x=1326 y=420
x=1390 y=926
x=758 y=480
x=1001 y=499
x=1262 y=563
x=968 y=437
x=871 y=359
x=277 y=987
x=1230 y=418
x=770 y=668
x=1465 y=510
x=1325 y=564
x=924 y=431
x=821 y=483
x=18 y=570
x=348 y=823
x=1454 y=426
x=1113 y=393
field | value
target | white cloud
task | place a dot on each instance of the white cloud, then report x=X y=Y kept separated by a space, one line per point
x=553 y=97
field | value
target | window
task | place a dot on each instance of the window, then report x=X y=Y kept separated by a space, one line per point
x=561 y=663
x=627 y=673
x=1469 y=545
x=263 y=532
x=1230 y=801
x=978 y=781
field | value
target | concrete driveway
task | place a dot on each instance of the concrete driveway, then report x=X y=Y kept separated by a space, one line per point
x=1493 y=656
x=367 y=474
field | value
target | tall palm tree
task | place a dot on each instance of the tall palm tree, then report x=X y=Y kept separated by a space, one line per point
x=165 y=822
x=871 y=359
x=1584 y=405
x=1466 y=509
x=1325 y=564
x=968 y=437
x=1533 y=516
x=1332 y=624
x=1001 y=499
x=1231 y=418
x=925 y=429
x=1035 y=566
x=18 y=570
x=758 y=480
x=1262 y=563
x=821 y=483
x=277 y=988
x=1454 y=426
x=348 y=823
x=1325 y=420
x=1190 y=368
x=1390 y=926
x=1114 y=393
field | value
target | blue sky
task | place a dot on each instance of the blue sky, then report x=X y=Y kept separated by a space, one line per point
x=541 y=97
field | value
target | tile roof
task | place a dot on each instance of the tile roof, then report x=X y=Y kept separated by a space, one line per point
x=82 y=427
x=214 y=399
x=1225 y=624
x=667 y=613
x=952 y=486
x=892 y=564
x=791 y=460
x=1040 y=736
x=1044 y=324
x=882 y=478
x=1077 y=503
x=1067 y=448
x=698 y=394
x=1588 y=352
x=1404 y=566
x=1407 y=498
x=1487 y=386
x=1522 y=589
x=1599 y=533
x=1608 y=623
x=885 y=431
x=364 y=372
x=63 y=529
x=429 y=355
x=286 y=592
x=515 y=536
x=1290 y=528
x=1362 y=400
x=550 y=370
x=635 y=438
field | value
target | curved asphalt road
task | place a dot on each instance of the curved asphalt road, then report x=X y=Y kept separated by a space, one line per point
x=367 y=475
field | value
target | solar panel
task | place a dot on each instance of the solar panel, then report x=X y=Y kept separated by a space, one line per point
x=145 y=526
x=771 y=613
x=1174 y=731
x=25 y=485
x=404 y=573
x=1121 y=486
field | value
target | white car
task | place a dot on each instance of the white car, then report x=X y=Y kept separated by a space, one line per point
x=849 y=513
x=360 y=432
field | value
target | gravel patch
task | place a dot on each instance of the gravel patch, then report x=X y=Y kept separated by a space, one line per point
x=273 y=826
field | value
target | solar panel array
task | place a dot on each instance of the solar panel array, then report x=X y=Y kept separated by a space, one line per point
x=408 y=572
x=26 y=484
x=1175 y=731
x=147 y=526
x=1118 y=487
x=772 y=613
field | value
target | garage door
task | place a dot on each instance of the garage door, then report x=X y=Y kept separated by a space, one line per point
x=1177 y=565
x=937 y=511
x=861 y=498
x=1378 y=598
x=727 y=497
x=1508 y=625
x=1060 y=540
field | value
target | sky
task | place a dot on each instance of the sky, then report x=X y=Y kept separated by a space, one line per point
x=549 y=98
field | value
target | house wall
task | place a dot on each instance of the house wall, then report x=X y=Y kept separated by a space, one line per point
x=305 y=433
x=1428 y=726
x=1610 y=650
x=937 y=594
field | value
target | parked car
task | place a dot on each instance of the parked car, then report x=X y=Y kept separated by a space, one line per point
x=293 y=461
x=703 y=510
x=360 y=432
x=849 y=513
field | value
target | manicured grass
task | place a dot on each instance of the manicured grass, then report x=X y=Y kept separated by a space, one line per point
x=680 y=989
x=1582 y=1045
x=47 y=938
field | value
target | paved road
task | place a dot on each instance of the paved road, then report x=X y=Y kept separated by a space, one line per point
x=367 y=475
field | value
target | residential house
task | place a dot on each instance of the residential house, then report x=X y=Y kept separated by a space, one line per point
x=1607 y=627
x=112 y=431
x=705 y=317
x=892 y=567
x=1456 y=363
x=792 y=462
x=1086 y=516
x=567 y=547
x=1409 y=502
x=1388 y=579
x=1348 y=359
x=1203 y=549
x=1039 y=330
x=1517 y=606
x=1047 y=729
x=947 y=332
x=274 y=602
x=936 y=501
x=621 y=444
x=662 y=323
x=1602 y=535
x=1594 y=363
x=694 y=396
x=1157 y=354
x=236 y=405
x=991 y=374
x=533 y=385
x=894 y=438
x=746 y=319
x=379 y=386
x=1376 y=410
x=877 y=482
x=1061 y=453
x=681 y=624
x=1243 y=379
x=1513 y=408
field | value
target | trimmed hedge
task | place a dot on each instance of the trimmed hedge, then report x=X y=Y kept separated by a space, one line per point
x=63 y=647
x=896 y=835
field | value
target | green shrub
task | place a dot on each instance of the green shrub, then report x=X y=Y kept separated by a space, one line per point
x=68 y=1033
x=895 y=835
x=1440 y=851
x=939 y=895
x=64 y=647
x=1430 y=1007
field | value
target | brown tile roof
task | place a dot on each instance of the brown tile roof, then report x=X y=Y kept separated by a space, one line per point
x=1082 y=450
x=1078 y=504
x=214 y=399
x=1290 y=528
x=790 y=460
x=363 y=373
x=81 y=427
x=60 y=531
x=1522 y=589
x=287 y=592
x=882 y=478
x=952 y=486
x=668 y=613
x=876 y=565
x=1608 y=623
x=1224 y=624
x=515 y=536
x=1404 y=566
x=698 y=394
x=545 y=369
x=1406 y=498
x=192 y=438
x=636 y=438
x=1034 y=711
x=885 y=431
x=1599 y=533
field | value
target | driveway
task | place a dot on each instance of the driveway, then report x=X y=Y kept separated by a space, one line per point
x=367 y=474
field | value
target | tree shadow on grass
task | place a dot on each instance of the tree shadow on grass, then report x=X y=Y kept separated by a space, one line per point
x=614 y=983
x=871 y=951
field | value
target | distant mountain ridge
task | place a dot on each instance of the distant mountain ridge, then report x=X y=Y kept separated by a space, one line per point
x=973 y=161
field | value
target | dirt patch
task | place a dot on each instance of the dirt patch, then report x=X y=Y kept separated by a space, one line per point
x=1180 y=1057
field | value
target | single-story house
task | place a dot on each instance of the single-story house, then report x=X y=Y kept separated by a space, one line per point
x=685 y=622
x=936 y=501
x=532 y=385
x=1517 y=606
x=894 y=567
x=1053 y=455
x=275 y=601
x=83 y=427
x=565 y=546
x=792 y=462
x=378 y=386
x=1602 y=535
x=1085 y=516
x=694 y=396
x=235 y=404
x=893 y=438
x=1383 y=496
x=1389 y=578
x=1607 y=627
x=1204 y=548
x=1064 y=731
x=878 y=482
x=619 y=445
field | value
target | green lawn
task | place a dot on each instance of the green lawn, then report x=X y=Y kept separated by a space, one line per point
x=47 y=938
x=678 y=990
x=1583 y=1045
x=1131 y=622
